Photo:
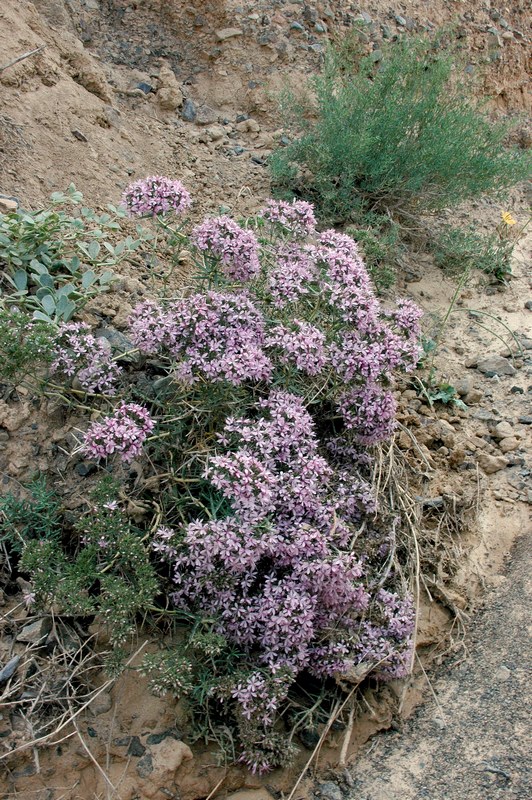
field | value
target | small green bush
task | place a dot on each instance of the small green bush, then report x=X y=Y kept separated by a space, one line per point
x=397 y=136
x=379 y=240
x=459 y=249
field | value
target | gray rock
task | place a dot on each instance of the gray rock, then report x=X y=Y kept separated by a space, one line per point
x=136 y=748
x=528 y=305
x=205 y=115
x=119 y=343
x=145 y=765
x=400 y=20
x=297 y=26
x=9 y=669
x=188 y=112
x=525 y=420
x=330 y=791
x=8 y=204
x=36 y=631
x=495 y=365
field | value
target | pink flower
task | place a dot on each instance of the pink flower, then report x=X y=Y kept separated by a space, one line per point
x=156 y=195
x=124 y=433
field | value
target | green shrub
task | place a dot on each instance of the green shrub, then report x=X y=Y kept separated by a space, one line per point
x=397 y=136
x=23 y=344
x=460 y=249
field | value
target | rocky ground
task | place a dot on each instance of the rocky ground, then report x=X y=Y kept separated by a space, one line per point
x=122 y=89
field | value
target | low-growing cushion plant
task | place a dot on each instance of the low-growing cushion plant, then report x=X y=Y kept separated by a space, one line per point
x=267 y=388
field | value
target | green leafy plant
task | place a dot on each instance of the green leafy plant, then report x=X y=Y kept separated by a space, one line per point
x=53 y=262
x=35 y=518
x=459 y=249
x=24 y=343
x=103 y=570
x=398 y=136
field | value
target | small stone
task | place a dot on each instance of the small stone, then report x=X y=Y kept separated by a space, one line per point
x=297 y=26
x=145 y=765
x=517 y=390
x=79 y=136
x=215 y=133
x=9 y=669
x=503 y=674
x=85 y=468
x=330 y=791
x=101 y=704
x=366 y=17
x=227 y=33
x=136 y=748
x=188 y=112
x=491 y=464
x=528 y=303
x=463 y=386
x=238 y=150
x=376 y=56
x=508 y=445
x=157 y=738
x=525 y=420
x=205 y=115
x=8 y=204
x=507 y=35
x=502 y=430
x=473 y=397
x=400 y=20
x=495 y=365
x=36 y=631
x=319 y=28
x=145 y=87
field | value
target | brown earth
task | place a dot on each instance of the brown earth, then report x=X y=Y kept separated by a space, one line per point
x=85 y=80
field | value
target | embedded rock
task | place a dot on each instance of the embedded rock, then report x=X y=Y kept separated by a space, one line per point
x=490 y=464
x=495 y=365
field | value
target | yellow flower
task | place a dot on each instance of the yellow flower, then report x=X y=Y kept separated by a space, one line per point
x=507 y=218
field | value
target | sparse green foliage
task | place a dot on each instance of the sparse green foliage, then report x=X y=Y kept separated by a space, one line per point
x=399 y=136
x=460 y=249
x=24 y=343
x=37 y=517
x=107 y=554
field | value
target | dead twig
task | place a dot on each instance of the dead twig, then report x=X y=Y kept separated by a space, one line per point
x=22 y=57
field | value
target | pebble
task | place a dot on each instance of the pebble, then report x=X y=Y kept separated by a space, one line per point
x=525 y=420
x=296 y=26
x=495 y=365
x=502 y=430
x=491 y=464
x=9 y=669
x=227 y=33
x=101 y=704
x=528 y=305
x=136 y=748
x=79 y=136
x=188 y=112
x=330 y=790
x=84 y=469
x=508 y=445
x=36 y=631
x=145 y=87
x=8 y=204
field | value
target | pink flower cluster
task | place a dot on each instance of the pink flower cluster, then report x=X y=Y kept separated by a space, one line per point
x=368 y=411
x=292 y=274
x=297 y=217
x=124 y=433
x=218 y=336
x=156 y=195
x=78 y=353
x=272 y=572
x=301 y=344
x=236 y=248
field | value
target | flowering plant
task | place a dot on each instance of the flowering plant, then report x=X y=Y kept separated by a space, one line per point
x=272 y=375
